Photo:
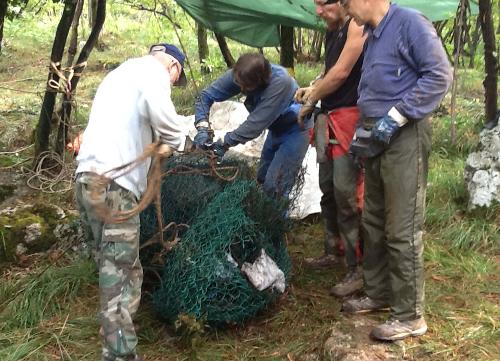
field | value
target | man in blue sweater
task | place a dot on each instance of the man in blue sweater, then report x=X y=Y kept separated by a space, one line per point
x=405 y=75
x=269 y=92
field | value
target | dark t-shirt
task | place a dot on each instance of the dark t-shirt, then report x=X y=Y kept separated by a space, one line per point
x=347 y=94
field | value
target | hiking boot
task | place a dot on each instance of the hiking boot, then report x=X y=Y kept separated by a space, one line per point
x=363 y=305
x=393 y=330
x=106 y=356
x=352 y=282
x=324 y=261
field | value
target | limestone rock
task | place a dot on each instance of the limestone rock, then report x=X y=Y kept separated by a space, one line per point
x=21 y=249
x=32 y=232
x=342 y=346
x=482 y=170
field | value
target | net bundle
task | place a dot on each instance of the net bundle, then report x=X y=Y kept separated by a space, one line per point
x=227 y=223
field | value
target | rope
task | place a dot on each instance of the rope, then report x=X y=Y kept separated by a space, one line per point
x=63 y=84
x=17 y=150
x=153 y=190
x=51 y=175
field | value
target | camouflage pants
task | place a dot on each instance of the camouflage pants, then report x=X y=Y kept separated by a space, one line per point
x=120 y=270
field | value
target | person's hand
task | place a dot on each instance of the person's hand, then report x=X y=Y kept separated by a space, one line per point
x=165 y=151
x=302 y=94
x=219 y=148
x=385 y=128
x=203 y=138
x=305 y=111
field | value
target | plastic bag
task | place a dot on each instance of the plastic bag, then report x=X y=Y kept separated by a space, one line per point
x=264 y=273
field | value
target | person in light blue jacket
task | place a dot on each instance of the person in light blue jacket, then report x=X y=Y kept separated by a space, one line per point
x=269 y=91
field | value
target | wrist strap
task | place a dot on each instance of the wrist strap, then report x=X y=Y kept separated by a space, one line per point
x=397 y=116
x=202 y=124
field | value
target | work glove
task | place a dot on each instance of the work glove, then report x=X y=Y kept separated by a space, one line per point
x=304 y=112
x=220 y=148
x=204 y=137
x=302 y=94
x=385 y=129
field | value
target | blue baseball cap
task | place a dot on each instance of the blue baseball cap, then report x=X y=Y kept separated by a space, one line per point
x=173 y=51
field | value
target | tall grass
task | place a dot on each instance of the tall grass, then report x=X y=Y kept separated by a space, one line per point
x=34 y=298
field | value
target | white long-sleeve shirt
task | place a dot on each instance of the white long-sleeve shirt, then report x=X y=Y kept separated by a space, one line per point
x=132 y=107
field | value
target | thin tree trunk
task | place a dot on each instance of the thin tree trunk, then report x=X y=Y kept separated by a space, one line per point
x=92 y=11
x=474 y=41
x=62 y=131
x=79 y=67
x=312 y=49
x=490 y=82
x=298 y=44
x=456 y=60
x=203 y=50
x=321 y=40
x=43 y=128
x=3 y=12
x=73 y=41
x=224 y=49
x=459 y=31
x=286 y=44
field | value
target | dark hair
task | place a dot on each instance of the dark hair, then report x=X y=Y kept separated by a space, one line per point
x=252 y=70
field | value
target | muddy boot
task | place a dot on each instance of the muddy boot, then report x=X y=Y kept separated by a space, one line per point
x=324 y=261
x=363 y=304
x=107 y=357
x=394 y=330
x=352 y=282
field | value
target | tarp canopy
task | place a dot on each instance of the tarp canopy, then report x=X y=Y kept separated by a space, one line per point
x=255 y=22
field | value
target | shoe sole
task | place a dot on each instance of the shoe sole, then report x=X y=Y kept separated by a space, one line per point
x=401 y=336
x=360 y=312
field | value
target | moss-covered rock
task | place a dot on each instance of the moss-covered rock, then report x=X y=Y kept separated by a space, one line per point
x=28 y=228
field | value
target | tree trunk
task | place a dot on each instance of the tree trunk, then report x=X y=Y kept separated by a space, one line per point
x=73 y=41
x=460 y=32
x=203 y=51
x=298 y=44
x=224 y=49
x=62 y=135
x=43 y=128
x=490 y=82
x=92 y=10
x=474 y=41
x=78 y=68
x=321 y=40
x=286 y=44
x=3 y=12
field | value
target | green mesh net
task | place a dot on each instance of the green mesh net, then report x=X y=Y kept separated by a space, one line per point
x=228 y=223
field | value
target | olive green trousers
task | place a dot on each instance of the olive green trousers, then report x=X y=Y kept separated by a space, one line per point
x=392 y=221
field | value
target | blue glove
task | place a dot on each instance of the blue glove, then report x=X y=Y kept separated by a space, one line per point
x=384 y=129
x=220 y=148
x=203 y=138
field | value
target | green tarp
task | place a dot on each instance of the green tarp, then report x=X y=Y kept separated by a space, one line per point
x=255 y=22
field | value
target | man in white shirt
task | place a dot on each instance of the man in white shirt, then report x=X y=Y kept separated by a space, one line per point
x=131 y=109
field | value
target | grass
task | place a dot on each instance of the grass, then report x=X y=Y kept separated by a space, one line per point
x=28 y=301
x=54 y=317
